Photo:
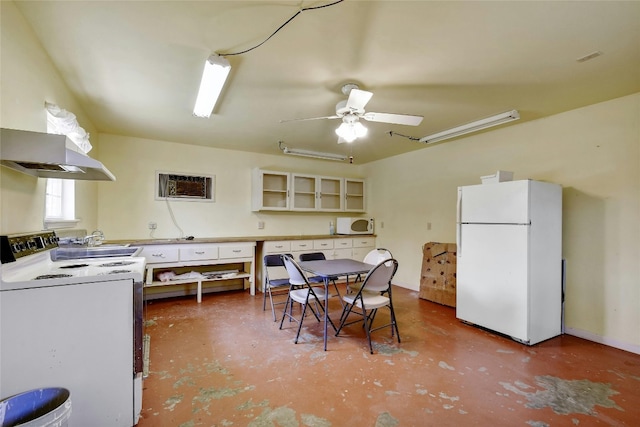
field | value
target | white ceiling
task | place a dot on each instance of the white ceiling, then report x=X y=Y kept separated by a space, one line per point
x=135 y=66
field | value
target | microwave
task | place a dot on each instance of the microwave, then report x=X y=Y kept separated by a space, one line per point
x=354 y=226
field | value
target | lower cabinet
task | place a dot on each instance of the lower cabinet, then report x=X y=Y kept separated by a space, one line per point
x=333 y=248
x=187 y=269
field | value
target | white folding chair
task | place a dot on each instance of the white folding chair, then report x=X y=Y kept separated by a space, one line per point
x=375 y=293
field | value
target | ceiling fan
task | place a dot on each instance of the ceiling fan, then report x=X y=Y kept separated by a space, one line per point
x=351 y=111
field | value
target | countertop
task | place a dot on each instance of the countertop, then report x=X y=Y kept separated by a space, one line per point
x=145 y=242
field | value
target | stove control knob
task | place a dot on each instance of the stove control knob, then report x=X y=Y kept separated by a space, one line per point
x=15 y=248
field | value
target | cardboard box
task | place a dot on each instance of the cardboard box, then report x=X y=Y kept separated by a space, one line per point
x=438 y=277
x=499 y=176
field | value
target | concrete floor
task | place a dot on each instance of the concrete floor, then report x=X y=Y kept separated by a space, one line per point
x=225 y=363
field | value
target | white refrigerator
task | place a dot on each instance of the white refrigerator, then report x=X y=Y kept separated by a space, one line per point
x=509 y=258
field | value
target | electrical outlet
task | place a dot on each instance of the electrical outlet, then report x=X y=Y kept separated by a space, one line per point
x=153 y=226
x=260 y=225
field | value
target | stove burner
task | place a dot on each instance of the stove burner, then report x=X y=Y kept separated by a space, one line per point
x=52 y=276
x=116 y=264
x=74 y=266
x=119 y=271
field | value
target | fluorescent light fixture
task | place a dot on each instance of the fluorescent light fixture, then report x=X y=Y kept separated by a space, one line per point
x=498 y=119
x=216 y=70
x=312 y=154
x=350 y=131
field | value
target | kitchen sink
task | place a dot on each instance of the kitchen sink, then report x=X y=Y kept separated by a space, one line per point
x=103 y=251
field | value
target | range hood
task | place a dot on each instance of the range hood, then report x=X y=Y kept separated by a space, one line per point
x=47 y=155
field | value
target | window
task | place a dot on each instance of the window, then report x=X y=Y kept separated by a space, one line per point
x=60 y=200
x=60 y=194
x=60 y=204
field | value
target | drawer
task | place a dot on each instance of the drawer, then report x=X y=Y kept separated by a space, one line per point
x=279 y=247
x=323 y=244
x=156 y=254
x=301 y=245
x=363 y=242
x=236 y=251
x=198 y=252
x=342 y=243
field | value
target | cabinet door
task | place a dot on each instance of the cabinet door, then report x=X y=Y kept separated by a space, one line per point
x=304 y=194
x=329 y=191
x=354 y=195
x=342 y=253
x=270 y=190
x=362 y=246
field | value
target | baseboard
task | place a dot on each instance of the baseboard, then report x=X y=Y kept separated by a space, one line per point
x=410 y=286
x=603 y=340
x=631 y=348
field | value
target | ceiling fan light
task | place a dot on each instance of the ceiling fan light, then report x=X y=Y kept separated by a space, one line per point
x=359 y=129
x=216 y=70
x=351 y=130
x=347 y=132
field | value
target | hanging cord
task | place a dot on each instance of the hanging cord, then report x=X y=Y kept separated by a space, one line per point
x=281 y=27
x=412 y=138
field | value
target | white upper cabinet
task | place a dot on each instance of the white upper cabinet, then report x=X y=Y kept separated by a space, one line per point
x=316 y=193
x=270 y=190
x=284 y=191
x=354 y=195
x=304 y=193
x=330 y=191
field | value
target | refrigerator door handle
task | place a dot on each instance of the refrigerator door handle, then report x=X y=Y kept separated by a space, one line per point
x=459 y=224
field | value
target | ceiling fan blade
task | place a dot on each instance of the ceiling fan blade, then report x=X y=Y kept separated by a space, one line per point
x=358 y=99
x=311 y=118
x=398 y=119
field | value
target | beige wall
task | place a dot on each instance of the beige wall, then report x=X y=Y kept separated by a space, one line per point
x=28 y=80
x=128 y=205
x=593 y=152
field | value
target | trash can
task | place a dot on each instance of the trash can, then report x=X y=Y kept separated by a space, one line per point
x=43 y=407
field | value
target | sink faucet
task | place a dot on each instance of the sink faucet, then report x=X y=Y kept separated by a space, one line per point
x=95 y=238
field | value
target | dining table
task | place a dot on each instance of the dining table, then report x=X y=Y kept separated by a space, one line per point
x=329 y=269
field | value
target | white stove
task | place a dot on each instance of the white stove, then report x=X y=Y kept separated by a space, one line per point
x=76 y=324
x=38 y=270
